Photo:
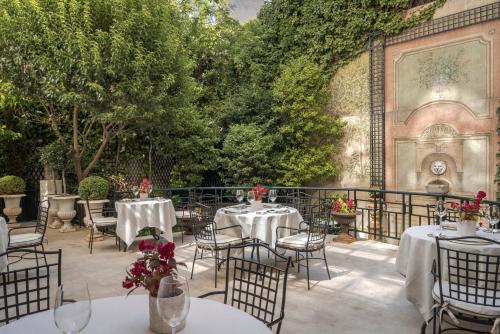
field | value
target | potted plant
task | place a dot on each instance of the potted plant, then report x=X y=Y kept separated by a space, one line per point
x=154 y=264
x=145 y=188
x=11 y=190
x=259 y=192
x=95 y=189
x=469 y=213
x=344 y=211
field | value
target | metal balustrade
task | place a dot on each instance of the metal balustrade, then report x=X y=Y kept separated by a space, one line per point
x=385 y=213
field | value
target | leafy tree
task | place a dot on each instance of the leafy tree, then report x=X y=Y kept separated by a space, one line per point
x=95 y=66
x=246 y=156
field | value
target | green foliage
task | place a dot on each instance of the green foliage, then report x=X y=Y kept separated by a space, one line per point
x=94 y=188
x=12 y=185
x=245 y=156
x=55 y=155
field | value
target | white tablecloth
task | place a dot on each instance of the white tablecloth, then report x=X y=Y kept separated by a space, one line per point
x=259 y=224
x=120 y=315
x=133 y=216
x=417 y=251
x=4 y=241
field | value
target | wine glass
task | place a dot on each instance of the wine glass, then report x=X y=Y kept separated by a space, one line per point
x=273 y=195
x=173 y=300
x=72 y=316
x=239 y=196
x=251 y=196
x=149 y=188
x=493 y=216
x=135 y=191
x=441 y=212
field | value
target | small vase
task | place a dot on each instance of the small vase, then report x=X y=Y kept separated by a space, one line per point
x=466 y=228
x=156 y=323
x=257 y=205
x=143 y=196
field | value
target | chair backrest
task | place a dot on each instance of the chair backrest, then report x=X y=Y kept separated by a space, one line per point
x=469 y=270
x=26 y=290
x=318 y=227
x=42 y=217
x=255 y=287
x=202 y=224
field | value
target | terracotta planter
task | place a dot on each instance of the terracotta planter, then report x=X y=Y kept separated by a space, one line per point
x=12 y=206
x=66 y=211
x=345 y=220
x=466 y=228
x=156 y=323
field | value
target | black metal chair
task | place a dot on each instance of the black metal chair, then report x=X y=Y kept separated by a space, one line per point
x=307 y=239
x=467 y=288
x=33 y=236
x=255 y=287
x=27 y=290
x=102 y=219
x=208 y=237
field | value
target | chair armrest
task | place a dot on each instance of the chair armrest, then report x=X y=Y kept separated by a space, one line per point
x=212 y=294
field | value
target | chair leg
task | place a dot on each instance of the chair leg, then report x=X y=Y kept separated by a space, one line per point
x=307 y=269
x=326 y=264
x=44 y=257
x=36 y=255
x=216 y=256
x=91 y=239
x=194 y=260
x=297 y=260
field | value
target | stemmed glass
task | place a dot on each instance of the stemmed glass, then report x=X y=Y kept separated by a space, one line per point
x=273 y=195
x=493 y=216
x=251 y=196
x=135 y=191
x=72 y=316
x=239 y=196
x=149 y=189
x=173 y=300
x=441 y=211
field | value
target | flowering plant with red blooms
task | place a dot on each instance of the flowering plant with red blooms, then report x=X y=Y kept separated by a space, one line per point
x=143 y=186
x=470 y=210
x=259 y=192
x=155 y=263
x=342 y=205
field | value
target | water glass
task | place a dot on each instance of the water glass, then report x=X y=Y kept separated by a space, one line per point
x=441 y=212
x=71 y=315
x=493 y=217
x=135 y=191
x=173 y=300
x=273 y=195
x=239 y=196
x=251 y=196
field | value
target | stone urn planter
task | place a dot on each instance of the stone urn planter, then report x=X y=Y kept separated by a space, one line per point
x=12 y=206
x=54 y=221
x=66 y=211
x=345 y=220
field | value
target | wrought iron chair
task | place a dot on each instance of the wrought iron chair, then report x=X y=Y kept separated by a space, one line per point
x=468 y=284
x=102 y=219
x=255 y=287
x=27 y=290
x=33 y=236
x=209 y=238
x=307 y=239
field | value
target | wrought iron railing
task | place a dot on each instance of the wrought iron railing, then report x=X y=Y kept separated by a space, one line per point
x=385 y=213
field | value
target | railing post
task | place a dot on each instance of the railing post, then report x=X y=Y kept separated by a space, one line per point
x=381 y=217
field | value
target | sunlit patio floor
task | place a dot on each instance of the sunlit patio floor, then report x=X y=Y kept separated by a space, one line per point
x=365 y=293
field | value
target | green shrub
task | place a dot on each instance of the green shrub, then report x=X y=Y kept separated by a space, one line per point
x=93 y=188
x=12 y=185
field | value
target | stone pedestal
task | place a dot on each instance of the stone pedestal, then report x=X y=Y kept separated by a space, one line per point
x=66 y=212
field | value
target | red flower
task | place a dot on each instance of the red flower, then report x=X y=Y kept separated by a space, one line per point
x=481 y=194
x=259 y=191
x=146 y=246
x=454 y=205
x=166 y=250
x=350 y=203
x=127 y=283
x=138 y=268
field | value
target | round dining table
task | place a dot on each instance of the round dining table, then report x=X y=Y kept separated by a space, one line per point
x=417 y=252
x=130 y=315
x=135 y=214
x=259 y=222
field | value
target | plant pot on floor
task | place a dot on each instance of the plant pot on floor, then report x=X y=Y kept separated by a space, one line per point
x=12 y=206
x=156 y=323
x=66 y=211
x=345 y=220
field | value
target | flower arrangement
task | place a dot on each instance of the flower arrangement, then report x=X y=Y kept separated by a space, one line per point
x=259 y=192
x=145 y=185
x=149 y=269
x=342 y=205
x=468 y=210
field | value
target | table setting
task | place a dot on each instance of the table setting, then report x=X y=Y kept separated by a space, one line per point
x=258 y=220
x=417 y=247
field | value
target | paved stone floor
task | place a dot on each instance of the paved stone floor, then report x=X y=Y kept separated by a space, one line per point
x=365 y=293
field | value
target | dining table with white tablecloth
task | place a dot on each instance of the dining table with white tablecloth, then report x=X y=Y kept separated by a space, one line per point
x=130 y=315
x=417 y=252
x=134 y=215
x=4 y=243
x=259 y=222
